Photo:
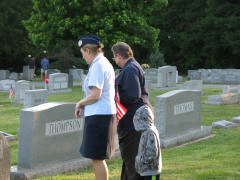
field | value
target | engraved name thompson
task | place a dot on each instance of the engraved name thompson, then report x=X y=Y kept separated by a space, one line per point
x=63 y=127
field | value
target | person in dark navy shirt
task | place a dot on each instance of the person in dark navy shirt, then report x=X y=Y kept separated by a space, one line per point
x=131 y=86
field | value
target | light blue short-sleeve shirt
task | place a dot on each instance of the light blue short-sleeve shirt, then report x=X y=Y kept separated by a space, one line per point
x=101 y=75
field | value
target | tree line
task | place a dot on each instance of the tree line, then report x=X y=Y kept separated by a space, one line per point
x=189 y=34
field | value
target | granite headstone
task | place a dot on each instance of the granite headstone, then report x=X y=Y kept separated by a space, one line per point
x=4 y=74
x=14 y=76
x=222 y=99
x=223 y=124
x=35 y=97
x=5 y=85
x=58 y=83
x=25 y=73
x=52 y=71
x=77 y=74
x=236 y=119
x=166 y=76
x=151 y=74
x=178 y=117
x=48 y=133
x=5 y=158
x=21 y=87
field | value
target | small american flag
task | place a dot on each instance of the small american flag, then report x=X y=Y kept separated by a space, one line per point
x=11 y=93
x=121 y=110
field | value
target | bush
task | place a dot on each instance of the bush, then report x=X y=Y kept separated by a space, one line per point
x=157 y=59
x=65 y=64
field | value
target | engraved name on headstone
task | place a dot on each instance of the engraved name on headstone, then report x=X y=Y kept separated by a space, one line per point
x=58 y=82
x=183 y=107
x=63 y=127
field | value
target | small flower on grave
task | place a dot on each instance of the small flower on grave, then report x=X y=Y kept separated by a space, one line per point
x=145 y=66
x=46 y=80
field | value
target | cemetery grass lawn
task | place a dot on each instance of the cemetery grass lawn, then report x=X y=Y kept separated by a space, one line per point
x=214 y=158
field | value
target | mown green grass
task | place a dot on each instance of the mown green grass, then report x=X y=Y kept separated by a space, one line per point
x=214 y=158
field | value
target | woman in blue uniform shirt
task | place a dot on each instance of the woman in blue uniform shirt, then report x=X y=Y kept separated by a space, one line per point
x=100 y=129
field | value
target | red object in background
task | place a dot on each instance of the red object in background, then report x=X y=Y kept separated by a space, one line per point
x=46 y=80
x=11 y=93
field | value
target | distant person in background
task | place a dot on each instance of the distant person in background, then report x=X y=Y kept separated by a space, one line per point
x=44 y=67
x=32 y=67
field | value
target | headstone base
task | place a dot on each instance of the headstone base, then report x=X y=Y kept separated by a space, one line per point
x=169 y=142
x=223 y=124
x=164 y=88
x=60 y=91
x=236 y=119
x=9 y=137
x=53 y=169
x=222 y=99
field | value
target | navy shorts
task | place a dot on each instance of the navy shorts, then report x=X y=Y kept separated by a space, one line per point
x=99 y=136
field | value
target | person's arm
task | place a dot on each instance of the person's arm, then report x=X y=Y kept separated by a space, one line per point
x=151 y=148
x=93 y=97
x=130 y=88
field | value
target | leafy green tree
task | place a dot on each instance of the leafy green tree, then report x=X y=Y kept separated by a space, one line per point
x=13 y=35
x=221 y=29
x=180 y=37
x=60 y=23
x=200 y=34
x=157 y=59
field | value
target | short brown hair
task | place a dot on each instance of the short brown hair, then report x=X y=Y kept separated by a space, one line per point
x=123 y=49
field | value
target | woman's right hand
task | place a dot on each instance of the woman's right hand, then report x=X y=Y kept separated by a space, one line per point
x=78 y=113
x=78 y=109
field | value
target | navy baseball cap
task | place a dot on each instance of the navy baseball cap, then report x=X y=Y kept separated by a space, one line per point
x=88 y=39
